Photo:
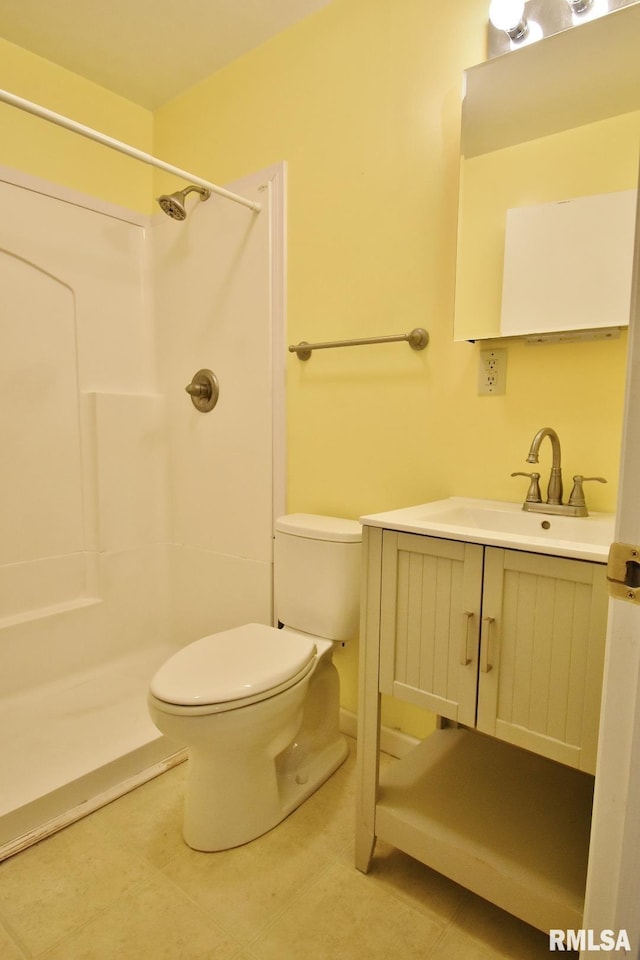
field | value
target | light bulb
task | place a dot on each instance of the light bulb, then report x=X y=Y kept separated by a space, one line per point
x=583 y=10
x=508 y=15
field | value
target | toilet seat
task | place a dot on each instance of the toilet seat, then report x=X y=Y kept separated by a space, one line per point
x=233 y=668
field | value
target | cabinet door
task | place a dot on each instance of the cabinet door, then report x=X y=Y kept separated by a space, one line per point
x=542 y=652
x=430 y=608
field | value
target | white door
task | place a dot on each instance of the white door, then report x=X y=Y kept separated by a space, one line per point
x=613 y=881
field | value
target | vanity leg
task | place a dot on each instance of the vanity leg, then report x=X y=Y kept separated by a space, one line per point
x=365 y=844
x=368 y=699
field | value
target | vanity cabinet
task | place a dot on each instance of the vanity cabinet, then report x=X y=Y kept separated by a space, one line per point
x=507 y=648
x=507 y=642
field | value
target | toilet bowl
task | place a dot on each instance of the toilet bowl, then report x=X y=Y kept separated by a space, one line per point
x=258 y=706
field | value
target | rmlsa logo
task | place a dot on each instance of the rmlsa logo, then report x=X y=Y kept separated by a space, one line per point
x=589 y=940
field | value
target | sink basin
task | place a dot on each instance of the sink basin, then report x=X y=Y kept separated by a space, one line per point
x=503 y=524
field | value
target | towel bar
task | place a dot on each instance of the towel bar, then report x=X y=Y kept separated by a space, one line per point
x=417 y=340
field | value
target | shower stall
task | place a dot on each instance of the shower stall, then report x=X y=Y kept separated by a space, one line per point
x=130 y=522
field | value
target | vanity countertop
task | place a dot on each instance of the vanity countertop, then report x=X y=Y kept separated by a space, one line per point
x=503 y=524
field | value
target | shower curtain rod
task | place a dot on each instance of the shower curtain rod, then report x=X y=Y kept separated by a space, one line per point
x=62 y=121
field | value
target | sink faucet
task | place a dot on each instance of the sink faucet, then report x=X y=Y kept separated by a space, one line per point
x=554 y=491
x=576 y=507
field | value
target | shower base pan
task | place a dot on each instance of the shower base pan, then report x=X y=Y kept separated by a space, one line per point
x=76 y=744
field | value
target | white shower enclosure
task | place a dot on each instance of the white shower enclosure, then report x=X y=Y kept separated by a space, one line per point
x=130 y=522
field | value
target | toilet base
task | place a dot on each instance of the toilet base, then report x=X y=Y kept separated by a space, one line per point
x=296 y=787
x=279 y=787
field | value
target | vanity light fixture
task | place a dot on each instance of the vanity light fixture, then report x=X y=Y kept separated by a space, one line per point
x=514 y=24
x=508 y=15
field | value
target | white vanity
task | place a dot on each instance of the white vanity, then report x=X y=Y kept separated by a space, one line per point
x=495 y=620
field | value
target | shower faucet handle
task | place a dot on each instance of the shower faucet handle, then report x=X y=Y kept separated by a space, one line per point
x=204 y=390
x=199 y=390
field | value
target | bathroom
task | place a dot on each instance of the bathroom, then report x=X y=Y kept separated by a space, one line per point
x=363 y=104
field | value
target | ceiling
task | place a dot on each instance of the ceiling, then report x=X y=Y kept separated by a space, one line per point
x=148 y=51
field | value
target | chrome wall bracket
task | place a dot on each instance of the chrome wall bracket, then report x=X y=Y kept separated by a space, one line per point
x=204 y=390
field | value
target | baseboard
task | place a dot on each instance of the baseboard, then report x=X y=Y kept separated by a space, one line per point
x=394 y=742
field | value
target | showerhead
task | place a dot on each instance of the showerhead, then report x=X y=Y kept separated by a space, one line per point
x=173 y=204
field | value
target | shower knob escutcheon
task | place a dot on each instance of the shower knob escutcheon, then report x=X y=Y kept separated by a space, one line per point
x=204 y=390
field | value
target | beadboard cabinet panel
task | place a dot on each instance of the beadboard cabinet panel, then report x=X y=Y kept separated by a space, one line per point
x=430 y=603
x=546 y=651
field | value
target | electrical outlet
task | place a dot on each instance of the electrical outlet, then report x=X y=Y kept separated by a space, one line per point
x=492 y=372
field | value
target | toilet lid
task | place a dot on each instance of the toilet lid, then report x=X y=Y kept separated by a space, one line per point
x=232 y=665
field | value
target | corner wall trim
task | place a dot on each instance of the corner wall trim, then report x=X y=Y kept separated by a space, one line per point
x=394 y=742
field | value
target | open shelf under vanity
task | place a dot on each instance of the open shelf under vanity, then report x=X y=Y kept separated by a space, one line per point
x=507 y=824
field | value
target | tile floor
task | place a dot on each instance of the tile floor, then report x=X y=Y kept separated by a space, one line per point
x=121 y=885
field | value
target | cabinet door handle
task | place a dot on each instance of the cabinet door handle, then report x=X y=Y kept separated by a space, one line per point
x=485 y=666
x=467 y=617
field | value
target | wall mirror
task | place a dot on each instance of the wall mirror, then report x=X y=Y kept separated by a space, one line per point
x=551 y=123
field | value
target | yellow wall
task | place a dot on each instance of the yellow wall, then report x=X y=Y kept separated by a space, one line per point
x=363 y=102
x=39 y=148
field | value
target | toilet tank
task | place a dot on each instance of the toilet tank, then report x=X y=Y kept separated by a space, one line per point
x=317 y=574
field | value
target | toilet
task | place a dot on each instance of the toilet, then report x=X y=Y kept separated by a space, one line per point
x=258 y=706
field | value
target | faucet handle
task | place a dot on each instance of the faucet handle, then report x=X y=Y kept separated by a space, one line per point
x=533 y=493
x=577 y=494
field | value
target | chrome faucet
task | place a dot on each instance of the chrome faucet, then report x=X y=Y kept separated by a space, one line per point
x=576 y=507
